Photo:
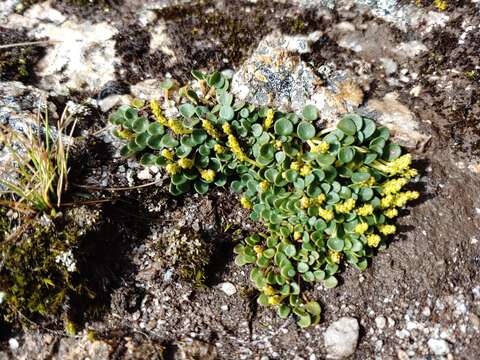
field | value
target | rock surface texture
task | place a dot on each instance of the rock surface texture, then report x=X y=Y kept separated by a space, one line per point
x=341 y=338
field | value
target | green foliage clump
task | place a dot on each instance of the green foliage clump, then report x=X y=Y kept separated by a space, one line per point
x=325 y=197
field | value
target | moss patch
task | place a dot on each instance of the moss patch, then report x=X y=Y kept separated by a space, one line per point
x=17 y=63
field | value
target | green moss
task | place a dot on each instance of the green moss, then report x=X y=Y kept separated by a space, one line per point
x=17 y=63
x=39 y=276
x=187 y=252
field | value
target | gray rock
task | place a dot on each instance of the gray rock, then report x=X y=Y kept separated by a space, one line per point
x=81 y=56
x=438 y=346
x=341 y=338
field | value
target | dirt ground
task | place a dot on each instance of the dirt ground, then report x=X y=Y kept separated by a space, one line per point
x=425 y=284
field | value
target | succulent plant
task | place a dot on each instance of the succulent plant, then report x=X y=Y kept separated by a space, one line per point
x=325 y=197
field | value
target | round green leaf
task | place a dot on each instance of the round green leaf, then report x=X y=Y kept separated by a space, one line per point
x=140 y=125
x=360 y=177
x=155 y=142
x=305 y=131
x=310 y=113
x=155 y=129
x=335 y=244
x=330 y=282
x=346 y=154
x=347 y=126
x=187 y=110
x=283 y=127
x=392 y=152
x=227 y=113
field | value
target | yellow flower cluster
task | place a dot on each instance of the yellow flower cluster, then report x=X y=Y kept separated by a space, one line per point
x=167 y=154
x=157 y=112
x=177 y=127
x=373 y=240
x=125 y=134
x=391 y=213
x=227 y=129
x=304 y=202
x=326 y=214
x=402 y=198
x=387 y=229
x=268 y=290
x=269 y=119
x=278 y=145
x=335 y=256
x=398 y=200
x=321 y=199
x=297 y=235
x=346 y=207
x=185 y=163
x=393 y=186
x=236 y=149
x=400 y=165
x=245 y=203
x=275 y=300
x=219 y=149
x=172 y=169
x=296 y=165
x=305 y=170
x=210 y=129
x=361 y=228
x=264 y=185
x=321 y=148
x=207 y=175
x=365 y=210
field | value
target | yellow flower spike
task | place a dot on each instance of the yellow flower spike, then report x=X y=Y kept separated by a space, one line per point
x=326 y=214
x=297 y=235
x=264 y=185
x=304 y=202
x=274 y=300
x=172 y=169
x=410 y=173
x=125 y=134
x=373 y=240
x=157 y=112
x=258 y=249
x=167 y=154
x=361 y=228
x=227 y=129
x=207 y=175
x=296 y=165
x=268 y=290
x=323 y=147
x=278 y=145
x=177 y=127
x=321 y=199
x=219 y=149
x=245 y=203
x=393 y=186
x=412 y=195
x=269 y=119
x=305 y=170
x=335 y=256
x=346 y=207
x=387 y=201
x=185 y=163
x=210 y=129
x=387 y=229
x=365 y=210
x=391 y=213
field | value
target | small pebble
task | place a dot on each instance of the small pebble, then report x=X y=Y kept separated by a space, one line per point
x=13 y=343
x=381 y=322
x=227 y=287
x=438 y=346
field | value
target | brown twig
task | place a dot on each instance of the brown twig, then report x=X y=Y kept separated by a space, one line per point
x=29 y=43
